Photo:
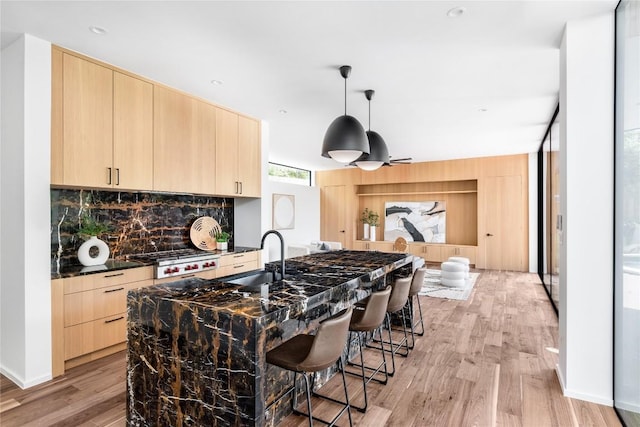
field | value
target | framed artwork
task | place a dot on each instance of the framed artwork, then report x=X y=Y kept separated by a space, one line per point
x=415 y=221
x=284 y=211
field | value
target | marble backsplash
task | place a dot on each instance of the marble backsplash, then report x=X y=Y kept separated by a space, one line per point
x=139 y=222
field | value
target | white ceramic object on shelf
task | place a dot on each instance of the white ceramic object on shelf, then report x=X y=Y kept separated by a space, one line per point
x=372 y=233
x=84 y=252
x=222 y=246
x=366 y=231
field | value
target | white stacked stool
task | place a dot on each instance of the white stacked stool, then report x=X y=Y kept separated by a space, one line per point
x=461 y=260
x=454 y=274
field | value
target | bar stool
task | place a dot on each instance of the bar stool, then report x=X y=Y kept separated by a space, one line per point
x=416 y=287
x=369 y=318
x=305 y=354
x=397 y=302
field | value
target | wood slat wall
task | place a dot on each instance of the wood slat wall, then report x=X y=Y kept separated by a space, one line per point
x=465 y=223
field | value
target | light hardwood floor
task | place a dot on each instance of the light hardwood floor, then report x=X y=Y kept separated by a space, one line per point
x=487 y=361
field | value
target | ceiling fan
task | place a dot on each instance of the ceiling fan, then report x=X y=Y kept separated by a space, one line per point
x=402 y=161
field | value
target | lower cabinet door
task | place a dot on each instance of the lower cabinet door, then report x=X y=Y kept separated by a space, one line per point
x=91 y=336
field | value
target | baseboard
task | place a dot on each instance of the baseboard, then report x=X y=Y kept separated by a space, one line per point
x=600 y=400
x=632 y=407
x=20 y=382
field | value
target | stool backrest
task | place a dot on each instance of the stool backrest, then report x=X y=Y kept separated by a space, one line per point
x=376 y=308
x=417 y=281
x=399 y=294
x=329 y=342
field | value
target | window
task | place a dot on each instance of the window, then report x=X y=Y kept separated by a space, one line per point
x=626 y=366
x=283 y=173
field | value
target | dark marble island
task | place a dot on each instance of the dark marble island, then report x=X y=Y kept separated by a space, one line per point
x=196 y=348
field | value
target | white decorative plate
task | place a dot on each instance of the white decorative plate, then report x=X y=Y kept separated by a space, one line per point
x=203 y=233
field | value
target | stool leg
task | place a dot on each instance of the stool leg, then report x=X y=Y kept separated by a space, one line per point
x=346 y=392
x=295 y=400
x=393 y=359
x=421 y=320
x=413 y=337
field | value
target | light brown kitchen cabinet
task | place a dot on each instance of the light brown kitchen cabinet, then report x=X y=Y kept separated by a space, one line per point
x=87 y=123
x=235 y=263
x=461 y=251
x=184 y=145
x=367 y=245
x=89 y=315
x=238 y=155
x=132 y=133
x=431 y=253
x=101 y=126
x=249 y=156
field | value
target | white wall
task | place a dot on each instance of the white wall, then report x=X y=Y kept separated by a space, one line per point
x=25 y=277
x=307 y=215
x=253 y=217
x=586 y=206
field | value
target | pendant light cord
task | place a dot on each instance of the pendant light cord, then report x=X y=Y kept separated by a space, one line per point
x=369 y=115
x=345 y=96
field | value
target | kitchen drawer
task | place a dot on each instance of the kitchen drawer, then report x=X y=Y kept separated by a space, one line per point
x=239 y=258
x=106 y=279
x=228 y=270
x=91 y=336
x=80 y=307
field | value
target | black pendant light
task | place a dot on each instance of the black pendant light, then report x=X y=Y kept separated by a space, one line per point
x=345 y=139
x=378 y=152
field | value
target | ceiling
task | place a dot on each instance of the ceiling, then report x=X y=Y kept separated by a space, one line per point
x=483 y=83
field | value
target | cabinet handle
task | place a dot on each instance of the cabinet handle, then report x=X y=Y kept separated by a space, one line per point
x=240 y=187
x=113 y=290
x=113 y=275
x=114 y=320
x=108 y=176
x=238 y=256
x=236 y=187
x=187 y=276
x=489 y=235
x=238 y=266
x=117 y=176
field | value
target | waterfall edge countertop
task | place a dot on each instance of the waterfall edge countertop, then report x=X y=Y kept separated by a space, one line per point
x=196 y=348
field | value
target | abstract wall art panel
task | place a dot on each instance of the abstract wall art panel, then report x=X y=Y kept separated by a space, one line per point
x=415 y=221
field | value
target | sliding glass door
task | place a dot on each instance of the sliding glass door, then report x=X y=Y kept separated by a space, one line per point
x=549 y=210
x=627 y=215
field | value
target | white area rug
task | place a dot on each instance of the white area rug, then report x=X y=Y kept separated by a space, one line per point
x=433 y=288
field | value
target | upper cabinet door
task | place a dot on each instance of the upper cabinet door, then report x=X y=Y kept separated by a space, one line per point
x=249 y=157
x=87 y=123
x=238 y=156
x=132 y=133
x=227 y=183
x=184 y=143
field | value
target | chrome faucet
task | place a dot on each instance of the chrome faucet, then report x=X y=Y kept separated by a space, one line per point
x=281 y=248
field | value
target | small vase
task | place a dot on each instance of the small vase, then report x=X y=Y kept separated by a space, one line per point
x=222 y=246
x=366 y=232
x=84 y=252
x=372 y=233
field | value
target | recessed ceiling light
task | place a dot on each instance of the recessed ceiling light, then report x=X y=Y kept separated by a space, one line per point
x=97 y=30
x=456 y=12
x=216 y=82
x=282 y=111
x=483 y=110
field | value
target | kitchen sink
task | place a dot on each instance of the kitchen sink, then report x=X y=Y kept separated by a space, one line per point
x=258 y=278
